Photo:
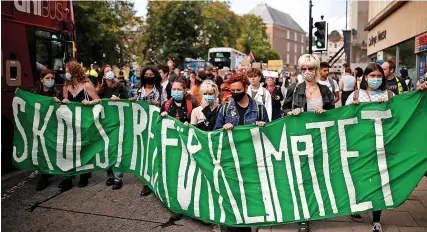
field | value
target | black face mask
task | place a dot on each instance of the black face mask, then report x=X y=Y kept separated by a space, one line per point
x=238 y=96
x=149 y=80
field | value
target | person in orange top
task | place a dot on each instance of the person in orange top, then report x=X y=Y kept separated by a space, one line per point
x=195 y=90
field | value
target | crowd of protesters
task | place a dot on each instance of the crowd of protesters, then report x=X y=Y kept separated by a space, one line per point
x=210 y=101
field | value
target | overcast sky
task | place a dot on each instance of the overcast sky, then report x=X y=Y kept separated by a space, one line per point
x=333 y=10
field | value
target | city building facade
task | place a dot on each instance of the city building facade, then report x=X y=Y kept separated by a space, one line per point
x=284 y=34
x=397 y=30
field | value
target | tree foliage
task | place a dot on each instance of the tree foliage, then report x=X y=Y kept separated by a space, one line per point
x=178 y=30
x=102 y=31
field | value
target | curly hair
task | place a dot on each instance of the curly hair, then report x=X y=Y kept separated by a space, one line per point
x=240 y=77
x=254 y=72
x=77 y=72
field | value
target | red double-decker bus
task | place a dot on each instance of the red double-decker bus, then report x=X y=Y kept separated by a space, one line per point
x=34 y=35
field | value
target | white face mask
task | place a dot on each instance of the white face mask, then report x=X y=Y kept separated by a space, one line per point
x=309 y=75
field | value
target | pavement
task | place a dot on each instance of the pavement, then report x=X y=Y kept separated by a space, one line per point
x=411 y=216
x=98 y=208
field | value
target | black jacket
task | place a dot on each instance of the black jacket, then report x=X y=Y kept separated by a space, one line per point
x=275 y=104
x=299 y=100
x=209 y=123
x=119 y=91
x=169 y=90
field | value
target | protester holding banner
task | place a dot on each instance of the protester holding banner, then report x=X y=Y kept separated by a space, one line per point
x=308 y=95
x=113 y=90
x=204 y=116
x=372 y=88
x=242 y=109
x=77 y=88
x=150 y=91
x=45 y=87
x=180 y=105
x=276 y=98
x=257 y=92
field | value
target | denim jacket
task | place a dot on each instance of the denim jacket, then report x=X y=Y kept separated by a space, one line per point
x=232 y=115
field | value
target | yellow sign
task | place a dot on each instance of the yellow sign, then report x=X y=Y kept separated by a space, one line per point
x=275 y=65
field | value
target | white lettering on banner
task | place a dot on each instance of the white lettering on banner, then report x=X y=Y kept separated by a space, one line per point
x=65 y=114
x=269 y=149
x=166 y=124
x=19 y=105
x=185 y=188
x=97 y=111
x=197 y=196
x=217 y=169
x=309 y=151
x=354 y=206
x=265 y=187
x=120 y=107
x=150 y=136
x=322 y=126
x=138 y=127
x=382 y=160
x=40 y=134
x=78 y=126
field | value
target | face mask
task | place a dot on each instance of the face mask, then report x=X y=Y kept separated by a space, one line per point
x=149 y=80
x=68 y=76
x=238 y=96
x=48 y=84
x=209 y=98
x=109 y=75
x=309 y=76
x=375 y=83
x=177 y=95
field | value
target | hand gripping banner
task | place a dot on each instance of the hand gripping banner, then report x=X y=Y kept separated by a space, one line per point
x=349 y=160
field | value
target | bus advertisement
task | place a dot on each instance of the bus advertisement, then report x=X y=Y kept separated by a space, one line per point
x=34 y=35
x=226 y=57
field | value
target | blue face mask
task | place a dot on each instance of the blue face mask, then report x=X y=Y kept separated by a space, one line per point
x=109 y=75
x=209 y=98
x=375 y=83
x=68 y=76
x=177 y=95
x=48 y=84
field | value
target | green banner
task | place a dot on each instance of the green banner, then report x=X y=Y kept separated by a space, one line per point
x=348 y=160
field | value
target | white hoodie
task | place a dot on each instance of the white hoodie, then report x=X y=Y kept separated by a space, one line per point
x=259 y=98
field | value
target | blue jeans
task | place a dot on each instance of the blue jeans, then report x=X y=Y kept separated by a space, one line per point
x=118 y=176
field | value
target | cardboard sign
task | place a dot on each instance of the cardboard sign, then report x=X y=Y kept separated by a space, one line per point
x=276 y=65
x=270 y=74
x=256 y=65
x=244 y=64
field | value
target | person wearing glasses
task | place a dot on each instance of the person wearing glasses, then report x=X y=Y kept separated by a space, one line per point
x=308 y=95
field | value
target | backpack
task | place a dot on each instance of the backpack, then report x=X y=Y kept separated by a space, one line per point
x=332 y=83
x=259 y=111
x=187 y=102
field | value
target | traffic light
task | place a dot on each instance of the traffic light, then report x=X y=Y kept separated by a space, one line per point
x=321 y=34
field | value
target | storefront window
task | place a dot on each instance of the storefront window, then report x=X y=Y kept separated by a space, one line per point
x=390 y=54
x=407 y=60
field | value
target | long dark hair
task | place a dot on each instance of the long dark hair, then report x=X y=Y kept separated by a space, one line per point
x=39 y=86
x=359 y=72
x=157 y=77
x=371 y=68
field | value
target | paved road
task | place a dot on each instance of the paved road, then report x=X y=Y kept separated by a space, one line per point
x=94 y=208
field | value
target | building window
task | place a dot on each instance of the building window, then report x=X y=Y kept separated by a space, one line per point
x=407 y=60
x=302 y=49
x=287 y=58
x=295 y=59
x=289 y=46
x=302 y=38
x=296 y=37
x=295 y=48
x=335 y=45
x=288 y=36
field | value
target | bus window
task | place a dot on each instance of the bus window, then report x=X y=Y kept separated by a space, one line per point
x=50 y=53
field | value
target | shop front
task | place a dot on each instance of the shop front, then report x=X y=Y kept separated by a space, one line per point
x=392 y=35
x=421 y=51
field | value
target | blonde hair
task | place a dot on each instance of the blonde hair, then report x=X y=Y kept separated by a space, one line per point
x=209 y=86
x=310 y=61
